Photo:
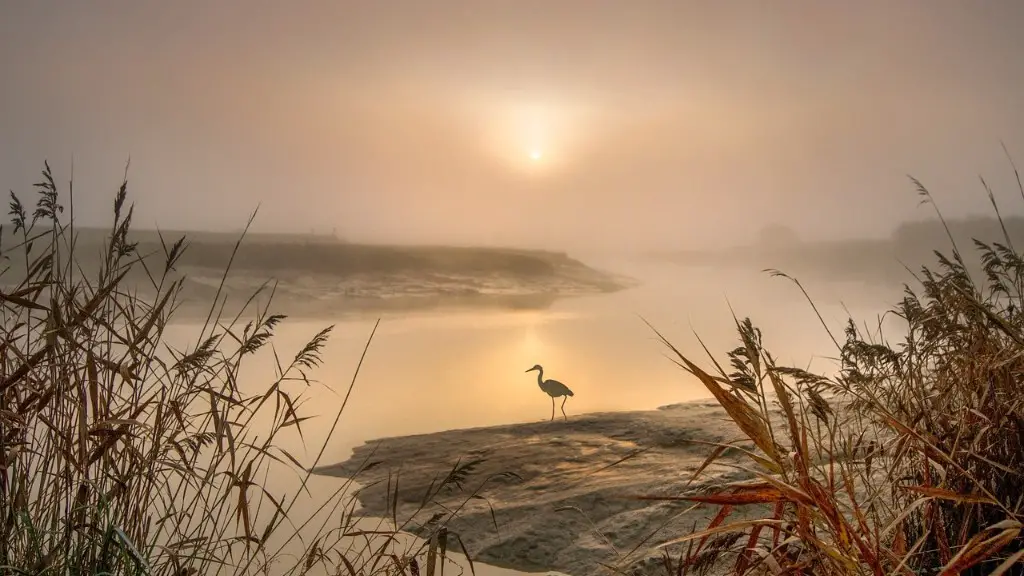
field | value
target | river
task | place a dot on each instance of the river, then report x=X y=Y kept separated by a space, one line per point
x=428 y=372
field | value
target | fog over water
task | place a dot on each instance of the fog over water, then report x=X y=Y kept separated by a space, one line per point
x=643 y=138
x=433 y=371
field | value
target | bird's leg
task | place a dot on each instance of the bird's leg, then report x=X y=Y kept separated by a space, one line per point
x=552 y=408
x=564 y=398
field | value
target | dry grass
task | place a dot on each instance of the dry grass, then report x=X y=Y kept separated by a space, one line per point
x=909 y=460
x=122 y=455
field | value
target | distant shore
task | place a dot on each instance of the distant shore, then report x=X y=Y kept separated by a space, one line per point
x=879 y=260
x=321 y=276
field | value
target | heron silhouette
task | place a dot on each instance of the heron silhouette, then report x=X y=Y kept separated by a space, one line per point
x=553 y=388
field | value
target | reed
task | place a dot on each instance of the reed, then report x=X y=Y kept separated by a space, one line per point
x=907 y=460
x=122 y=454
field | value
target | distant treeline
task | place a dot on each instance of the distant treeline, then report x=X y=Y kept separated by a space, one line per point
x=299 y=253
x=344 y=259
x=887 y=260
x=94 y=235
x=927 y=235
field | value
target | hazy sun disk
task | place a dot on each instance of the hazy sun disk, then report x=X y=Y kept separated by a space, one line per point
x=531 y=137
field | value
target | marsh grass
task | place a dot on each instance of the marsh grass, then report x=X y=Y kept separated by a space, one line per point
x=909 y=460
x=121 y=454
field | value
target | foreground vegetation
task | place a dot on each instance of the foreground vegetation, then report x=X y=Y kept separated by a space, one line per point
x=123 y=454
x=907 y=461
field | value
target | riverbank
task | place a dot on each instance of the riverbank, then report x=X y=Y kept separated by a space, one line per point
x=315 y=276
x=562 y=495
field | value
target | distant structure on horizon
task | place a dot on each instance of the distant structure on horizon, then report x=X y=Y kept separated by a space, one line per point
x=777 y=235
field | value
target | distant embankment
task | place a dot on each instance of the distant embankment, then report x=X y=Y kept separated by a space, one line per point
x=870 y=261
x=318 y=275
x=882 y=260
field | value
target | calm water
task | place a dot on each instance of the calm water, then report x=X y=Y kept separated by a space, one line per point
x=438 y=371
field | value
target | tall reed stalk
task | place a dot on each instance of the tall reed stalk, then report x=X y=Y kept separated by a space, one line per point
x=120 y=454
x=908 y=460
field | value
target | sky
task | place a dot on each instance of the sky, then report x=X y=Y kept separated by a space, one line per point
x=657 y=124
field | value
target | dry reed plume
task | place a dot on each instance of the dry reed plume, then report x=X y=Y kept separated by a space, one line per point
x=908 y=460
x=122 y=455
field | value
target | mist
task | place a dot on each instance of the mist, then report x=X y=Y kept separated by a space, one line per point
x=526 y=276
x=662 y=124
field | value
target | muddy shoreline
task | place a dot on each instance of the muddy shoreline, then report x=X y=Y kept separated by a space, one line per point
x=563 y=493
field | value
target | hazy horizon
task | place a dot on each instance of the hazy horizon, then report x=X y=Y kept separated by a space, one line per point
x=699 y=173
x=657 y=124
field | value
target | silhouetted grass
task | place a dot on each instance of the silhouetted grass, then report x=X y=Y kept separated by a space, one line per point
x=120 y=454
x=909 y=460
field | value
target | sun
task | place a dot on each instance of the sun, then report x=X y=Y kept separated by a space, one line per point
x=536 y=154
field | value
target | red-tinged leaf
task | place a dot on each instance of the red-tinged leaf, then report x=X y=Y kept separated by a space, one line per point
x=945 y=552
x=765 y=497
x=793 y=494
x=734 y=527
x=715 y=454
x=764 y=494
x=719 y=518
x=899 y=543
x=943 y=494
x=744 y=559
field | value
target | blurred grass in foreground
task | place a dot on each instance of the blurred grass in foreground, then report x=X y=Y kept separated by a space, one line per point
x=908 y=461
x=122 y=455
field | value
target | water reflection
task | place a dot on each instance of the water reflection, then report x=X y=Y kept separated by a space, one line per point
x=436 y=371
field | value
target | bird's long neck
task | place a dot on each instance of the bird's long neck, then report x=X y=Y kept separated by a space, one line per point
x=540 y=376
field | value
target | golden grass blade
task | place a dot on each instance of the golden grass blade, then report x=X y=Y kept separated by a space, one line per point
x=760 y=494
x=741 y=413
x=715 y=454
x=943 y=494
x=733 y=527
x=787 y=407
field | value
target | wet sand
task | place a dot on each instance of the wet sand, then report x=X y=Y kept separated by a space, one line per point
x=570 y=502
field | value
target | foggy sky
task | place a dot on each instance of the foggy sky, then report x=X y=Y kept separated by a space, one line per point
x=662 y=123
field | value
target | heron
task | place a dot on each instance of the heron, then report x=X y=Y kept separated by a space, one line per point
x=553 y=388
